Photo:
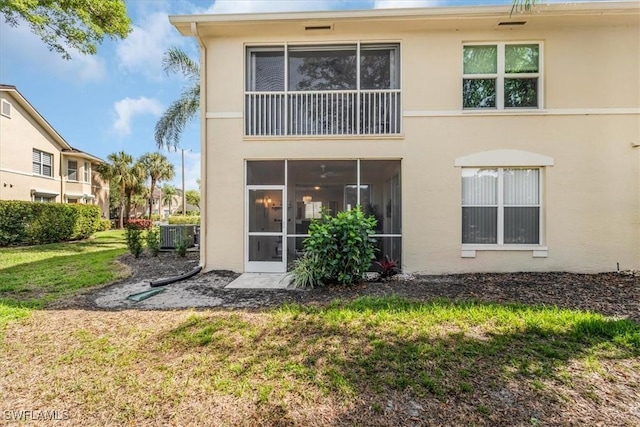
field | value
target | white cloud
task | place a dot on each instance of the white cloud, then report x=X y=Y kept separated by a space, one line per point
x=21 y=44
x=128 y=108
x=142 y=50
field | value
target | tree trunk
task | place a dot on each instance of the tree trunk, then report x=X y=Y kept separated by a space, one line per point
x=122 y=207
x=151 y=188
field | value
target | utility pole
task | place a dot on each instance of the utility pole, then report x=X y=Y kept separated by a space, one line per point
x=184 y=197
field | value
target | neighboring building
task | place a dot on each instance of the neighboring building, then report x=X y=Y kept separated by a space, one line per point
x=165 y=208
x=481 y=142
x=37 y=164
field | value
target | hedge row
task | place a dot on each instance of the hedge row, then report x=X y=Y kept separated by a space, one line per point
x=187 y=220
x=31 y=223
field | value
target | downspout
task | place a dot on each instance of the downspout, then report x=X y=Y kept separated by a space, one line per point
x=203 y=240
x=61 y=177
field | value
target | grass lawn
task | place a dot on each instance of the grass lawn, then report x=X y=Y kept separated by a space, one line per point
x=374 y=361
x=34 y=275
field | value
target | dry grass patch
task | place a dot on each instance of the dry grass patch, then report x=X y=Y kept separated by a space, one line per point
x=380 y=361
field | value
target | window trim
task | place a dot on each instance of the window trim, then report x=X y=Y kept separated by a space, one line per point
x=69 y=169
x=500 y=75
x=86 y=173
x=508 y=159
x=41 y=163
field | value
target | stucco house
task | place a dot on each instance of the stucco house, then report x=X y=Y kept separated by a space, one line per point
x=481 y=141
x=37 y=164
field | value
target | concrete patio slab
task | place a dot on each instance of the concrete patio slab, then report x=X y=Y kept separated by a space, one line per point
x=261 y=281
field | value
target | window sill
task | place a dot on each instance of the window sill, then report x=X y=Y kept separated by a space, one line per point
x=538 y=251
x=37 y=175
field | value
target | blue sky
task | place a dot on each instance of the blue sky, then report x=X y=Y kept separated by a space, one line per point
x=111 y=101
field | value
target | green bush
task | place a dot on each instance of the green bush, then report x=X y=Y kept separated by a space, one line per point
x=182 y=243
x=133 y=234
x=188 y=220
x=340 y=248
x=305 y=272
x=153 y=240
x=30 y=223
x=104 y=224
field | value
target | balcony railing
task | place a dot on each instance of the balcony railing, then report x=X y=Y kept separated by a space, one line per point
x=371 y=112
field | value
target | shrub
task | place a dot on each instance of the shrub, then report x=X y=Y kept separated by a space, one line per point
x=153 y=240
x=104 y=224
x=184 y=220
x=142 y=224
x=341 y=247
x=387 y=267
x=305 y=272
x=155 y=217
x=31 y=223
x=133 y=233
x=183 y=242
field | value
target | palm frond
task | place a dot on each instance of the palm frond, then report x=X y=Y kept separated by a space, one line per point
x=176 y=61
x=173 y=121
x=521 y=6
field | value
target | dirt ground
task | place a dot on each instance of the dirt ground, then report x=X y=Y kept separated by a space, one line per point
x=612 y=294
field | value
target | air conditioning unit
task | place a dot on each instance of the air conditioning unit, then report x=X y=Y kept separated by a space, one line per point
x=171 y=234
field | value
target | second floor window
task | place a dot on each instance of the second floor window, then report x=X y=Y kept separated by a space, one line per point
x=501 y=76
x=42 y=163
x=87 y=172
x=72 y=170
x=350 y=89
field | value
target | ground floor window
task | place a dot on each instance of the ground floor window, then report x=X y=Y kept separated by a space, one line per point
x=501 y=206
x=284 y=196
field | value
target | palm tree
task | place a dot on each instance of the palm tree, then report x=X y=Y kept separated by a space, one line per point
x=134 y=185
x=522 y=5
x=158 y=168
x=117 y=171
x=182 y=110
x=168 y=193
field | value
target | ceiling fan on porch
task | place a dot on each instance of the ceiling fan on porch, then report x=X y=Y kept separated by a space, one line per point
x=328 y=174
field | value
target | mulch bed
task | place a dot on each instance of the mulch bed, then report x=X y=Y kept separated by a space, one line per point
x=612 y=294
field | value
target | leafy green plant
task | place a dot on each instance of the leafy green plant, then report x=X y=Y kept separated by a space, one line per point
x=305 y=273
x=387 y=267
x=104 y=224
x=133 y=234
x=153 y=240
x=341 y=247
x=182 y=243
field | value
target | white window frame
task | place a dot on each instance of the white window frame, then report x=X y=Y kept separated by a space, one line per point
x=500 y=205
x=508 y=159
x=500 y=76
x=6 y=105
x=87 y=172
x=69 y=169
x=40 y=162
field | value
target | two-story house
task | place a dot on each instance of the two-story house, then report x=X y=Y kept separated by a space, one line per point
x=37 y=164
x=480 y=141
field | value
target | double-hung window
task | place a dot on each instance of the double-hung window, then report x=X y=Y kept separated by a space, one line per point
x=501 y=206
x=42 y=163
x=87 y=172
x=502 y=76
x=72 y=170
x=337 y=89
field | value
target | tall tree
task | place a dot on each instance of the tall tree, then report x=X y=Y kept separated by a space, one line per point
x=193 y=198
x=134 y=185
x=158 y=168
x=173 y=121
x=70 y=24
x=168 y=193
x=116 y=170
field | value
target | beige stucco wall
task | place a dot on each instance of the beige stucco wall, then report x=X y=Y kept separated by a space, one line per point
x=19 y=135
x=587 y=125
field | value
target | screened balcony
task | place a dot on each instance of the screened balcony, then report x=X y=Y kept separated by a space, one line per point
x=324 y=90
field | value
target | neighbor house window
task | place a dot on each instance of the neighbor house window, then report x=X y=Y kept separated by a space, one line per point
x=340 y=89
x=501 y=76
x=72 y=170
x=42 y=163
x=44 y=199
x=5 y=109
x=87 y=172
x=501 y=206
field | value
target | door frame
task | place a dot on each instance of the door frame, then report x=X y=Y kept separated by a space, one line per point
x=265 y=266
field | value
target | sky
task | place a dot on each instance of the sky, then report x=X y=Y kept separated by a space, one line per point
x=111 y=101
